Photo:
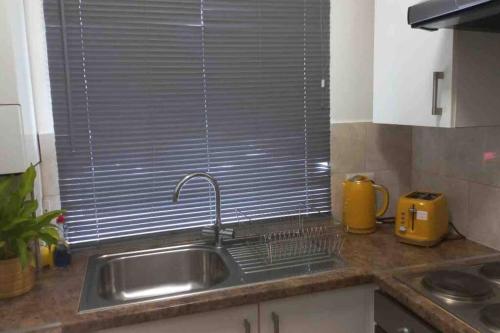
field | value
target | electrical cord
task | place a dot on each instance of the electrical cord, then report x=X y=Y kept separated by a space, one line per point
x=458 y=236
x=386 y=220
x=452 y=227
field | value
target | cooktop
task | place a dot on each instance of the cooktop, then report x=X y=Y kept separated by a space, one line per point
x=471 y=293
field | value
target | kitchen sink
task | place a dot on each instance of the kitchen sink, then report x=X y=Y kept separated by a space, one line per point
x=168 y=272
x=159 y=273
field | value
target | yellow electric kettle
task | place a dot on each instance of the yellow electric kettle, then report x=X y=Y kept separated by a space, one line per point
x=360 y=209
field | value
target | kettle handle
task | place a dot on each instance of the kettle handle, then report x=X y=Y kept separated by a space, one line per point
x=385 y=205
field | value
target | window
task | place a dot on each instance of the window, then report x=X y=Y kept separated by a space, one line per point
x=145 y=91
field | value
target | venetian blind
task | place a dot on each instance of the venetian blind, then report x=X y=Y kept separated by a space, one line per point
x=145 y=91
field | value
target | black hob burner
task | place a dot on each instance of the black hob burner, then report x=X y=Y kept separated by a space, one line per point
x=491 y=271
x=469 y=292
x=457 y=285
x=490 y=316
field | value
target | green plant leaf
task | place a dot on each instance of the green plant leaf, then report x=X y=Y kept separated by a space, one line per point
x=12 y=224
x=29 y=208
x=5 y=186
x=49 y=237
x=22 y=251
x=27 y=181
x=28 y=235
x=46 y=218
x=13 y=206
x=52 y=231
x=18 y=225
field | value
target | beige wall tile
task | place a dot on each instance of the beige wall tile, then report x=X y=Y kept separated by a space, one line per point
x=484 y=214
x=347 y=149
x=349 y=130
x=384 y=150
x=397 y=183
x=463 y=163
x=463 y=152
x=455 y=190
x=490 y=159
x=337 y=195
x=427 y=150
x=388 y=147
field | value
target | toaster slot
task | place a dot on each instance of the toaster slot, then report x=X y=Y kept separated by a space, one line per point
x=412 y=213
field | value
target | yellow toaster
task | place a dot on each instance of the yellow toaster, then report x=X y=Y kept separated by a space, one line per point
x=422 y=218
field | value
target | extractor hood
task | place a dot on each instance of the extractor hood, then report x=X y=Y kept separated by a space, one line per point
x=481 y=15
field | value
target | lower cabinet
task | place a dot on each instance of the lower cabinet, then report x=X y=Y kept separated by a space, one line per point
x=392 y=317
x=347 y=310
x=242 y=319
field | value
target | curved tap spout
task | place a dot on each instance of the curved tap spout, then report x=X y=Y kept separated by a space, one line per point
x=215 y=185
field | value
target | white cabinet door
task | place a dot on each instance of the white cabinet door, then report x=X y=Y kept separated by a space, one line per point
x=12 y=140
x=15 y=79
x=18 y=134
x=230 y=320
x=8 y=77
x=18 y=140
x=404 y=62
x=348 y=310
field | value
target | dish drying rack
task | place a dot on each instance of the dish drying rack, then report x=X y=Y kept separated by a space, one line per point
x=290 y=245
x=302 y=242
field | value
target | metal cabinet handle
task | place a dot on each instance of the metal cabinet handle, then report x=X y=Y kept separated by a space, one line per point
x=276 y=322
x=247 y=326
x=436 y=111
x=404 y=330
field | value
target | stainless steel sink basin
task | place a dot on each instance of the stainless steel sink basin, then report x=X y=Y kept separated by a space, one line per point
x=164 y=273
x=159 y=273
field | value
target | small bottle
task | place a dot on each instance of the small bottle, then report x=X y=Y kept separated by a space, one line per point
x=62 y=256
x=47 y=255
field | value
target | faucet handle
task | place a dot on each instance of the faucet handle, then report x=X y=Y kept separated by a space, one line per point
x=227 y=232
x=221 y=234
x=208 y=231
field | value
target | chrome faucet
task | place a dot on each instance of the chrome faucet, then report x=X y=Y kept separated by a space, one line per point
x=217 y=229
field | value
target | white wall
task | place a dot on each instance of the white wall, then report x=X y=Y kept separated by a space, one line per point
x=351 y=60
x=35 y=27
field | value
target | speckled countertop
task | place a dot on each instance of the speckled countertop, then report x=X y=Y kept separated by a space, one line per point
x=53 y=304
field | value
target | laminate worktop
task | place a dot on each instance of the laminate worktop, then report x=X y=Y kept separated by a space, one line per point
x=53 y=304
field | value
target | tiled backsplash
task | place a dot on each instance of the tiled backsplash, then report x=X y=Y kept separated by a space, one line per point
x=462 y=163
x=383 y=150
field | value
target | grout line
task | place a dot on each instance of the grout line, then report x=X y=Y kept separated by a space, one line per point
x=467 y=211
x=412 y=132
x=365 y=144
x=432 y=173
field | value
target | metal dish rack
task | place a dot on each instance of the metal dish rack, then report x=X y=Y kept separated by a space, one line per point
x=302 y=242
x=293 y=246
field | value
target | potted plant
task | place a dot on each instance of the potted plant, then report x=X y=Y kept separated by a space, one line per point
x=19 y=229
